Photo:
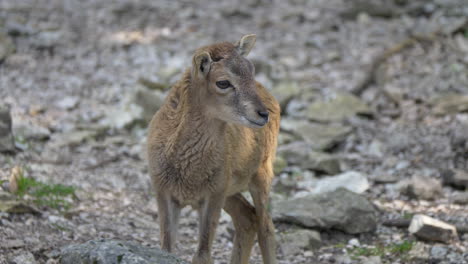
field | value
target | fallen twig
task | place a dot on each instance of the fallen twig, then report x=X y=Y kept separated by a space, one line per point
x=371 y=70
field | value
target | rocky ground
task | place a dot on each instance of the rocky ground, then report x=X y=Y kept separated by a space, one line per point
x=374 y=96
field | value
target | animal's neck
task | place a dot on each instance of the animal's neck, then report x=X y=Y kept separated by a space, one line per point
x=196 y=121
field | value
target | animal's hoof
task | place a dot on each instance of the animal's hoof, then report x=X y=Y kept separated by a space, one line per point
x=202 y=259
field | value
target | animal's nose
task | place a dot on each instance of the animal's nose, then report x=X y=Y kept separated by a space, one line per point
x=263 y=114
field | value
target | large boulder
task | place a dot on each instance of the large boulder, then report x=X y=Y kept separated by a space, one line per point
x=319 y=137
x=340 y=209
x=337 y=108
x=114 y=251
x=301 y=154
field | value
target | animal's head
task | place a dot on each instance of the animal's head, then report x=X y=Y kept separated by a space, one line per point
x=228 y=83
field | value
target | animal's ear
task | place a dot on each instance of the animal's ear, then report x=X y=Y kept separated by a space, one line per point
x=245 y=44
x=201 y=63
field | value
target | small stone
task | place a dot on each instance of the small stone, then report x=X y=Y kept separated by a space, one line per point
x=28 y=130
x=296 y=241
x=431 y=229
x=73 y=138
x=419 y=251
x=375 y=149
x=14 y=206
x=370 y=260
x=279 y=165
x=352 y=180
x=460 y=198
x=47 y=39
x=68 y=103
x=343 y=259
x=354 y=242
x=25 y=258
x=385 y=178
x=149 y=101
x=450 y=104
x=439 y=252
x=7 y=46
x=13 y=243
x=15 y=175
x=422 y=187
x=6 y=136
x=455 y=178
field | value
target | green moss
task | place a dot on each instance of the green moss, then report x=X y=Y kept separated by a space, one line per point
x=51 y=195
x=396 y=249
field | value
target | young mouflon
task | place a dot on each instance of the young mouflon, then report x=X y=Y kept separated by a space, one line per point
x=214 y=137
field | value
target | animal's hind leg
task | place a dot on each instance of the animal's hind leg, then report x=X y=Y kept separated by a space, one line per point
x=169 y=212
x=245 y=223
x=260 y=189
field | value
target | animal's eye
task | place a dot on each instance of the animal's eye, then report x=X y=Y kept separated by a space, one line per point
x=223 y=84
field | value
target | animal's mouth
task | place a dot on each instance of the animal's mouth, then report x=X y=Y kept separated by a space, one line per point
x=257 y=124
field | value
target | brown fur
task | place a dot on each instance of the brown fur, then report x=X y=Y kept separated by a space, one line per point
x=202 y=151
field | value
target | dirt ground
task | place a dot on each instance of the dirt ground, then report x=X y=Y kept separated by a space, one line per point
x=76 y=62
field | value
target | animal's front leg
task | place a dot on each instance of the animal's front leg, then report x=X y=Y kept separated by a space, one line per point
x=209 y=213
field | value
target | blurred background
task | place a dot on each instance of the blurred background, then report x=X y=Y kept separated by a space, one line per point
x=374 y=97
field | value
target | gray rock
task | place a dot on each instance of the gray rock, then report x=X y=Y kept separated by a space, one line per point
x=279 y=165
x=341 y=209
x=24 y=258
x=47 y=39
x=297 y=241
x=73 y=138
x=68 y=102
x=319 y=136
x=301 y=154
x=7 y=46
x=114 y=251
x=284 y=92
x=6 y=136
x=352 y=180
x=421 y=187
x=371 y=260
x=419 y=251
x=450 y=104
x=385 y=178
x=460 y=198
x=149 y=101
x=428 y=228
x=338 y=108
x=455 y=178
x=439 y=252
x=29 y=130
x=138 y=107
